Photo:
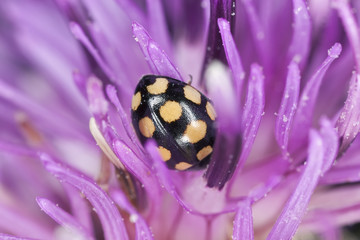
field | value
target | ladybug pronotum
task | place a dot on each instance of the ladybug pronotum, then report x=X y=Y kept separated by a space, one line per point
x=178 y=117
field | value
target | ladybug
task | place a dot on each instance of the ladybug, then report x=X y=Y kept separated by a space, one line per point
x=178 y=117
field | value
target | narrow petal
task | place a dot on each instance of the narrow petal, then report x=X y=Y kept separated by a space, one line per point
x=140 y=170
x=300 y=44
x=8 y=237
x=351 y=27
x=342 y=175
x=157 y=23
x=243 y=223
x=348 y=123
x=215 y=51
x=304 y=114
x=257 y=31
x=232 y=55
x=55 y=119
x=18 y=223
x=331 y=143
x=252 y=115
x=170 y=181
x=112 y=222
x=253 y=110
x=79 y=208
x=18 y=150
x=64 y=218
x=288 y=106
x=158 y=61
x=295 y=208
x=98 y=105
x=143 y=231
x=81 y=36
x=111 y=93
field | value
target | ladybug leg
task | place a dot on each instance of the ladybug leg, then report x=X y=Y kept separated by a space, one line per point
x=190 y=79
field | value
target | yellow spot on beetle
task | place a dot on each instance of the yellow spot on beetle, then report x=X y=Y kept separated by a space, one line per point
x=192 y=94
x=210 y=111
x=147 y=127
x=165 y=153
x=170 y=111
x=136 y=100
x=203 y=153
x=182 y=166
x=159 y=86
x=195 y=131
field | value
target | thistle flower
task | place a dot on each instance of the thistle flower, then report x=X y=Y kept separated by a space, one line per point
x=283 y=76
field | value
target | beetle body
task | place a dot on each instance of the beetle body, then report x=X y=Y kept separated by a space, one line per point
x=178 y=117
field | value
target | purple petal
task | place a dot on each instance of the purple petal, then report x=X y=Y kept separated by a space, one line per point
x=192 y=195
x=111 y=93
x=300 y=44
x=142 y=229
x=288 y=106
x=98 y=105
x=304 y=114
x=331 y=143
x=80 y=35
x=252 y=115
x=243 y=223
x=134 y=12
x=348 y=122
x=351 y=28
x=55 y=119
x=232 y=55
x=140 y=170
x=257 y=31
x=214 y=49
x=253 y=110
x=295 y=208
x=103 y=143
x=157 y=24
x=112 y=222
x=18 y=223
x=8 y=237
x=158 y=61
x=18 y=150
x=342 y=175
x=63 y=218
x=79 y=207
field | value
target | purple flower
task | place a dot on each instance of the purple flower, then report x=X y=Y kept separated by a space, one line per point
x=283 y=77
